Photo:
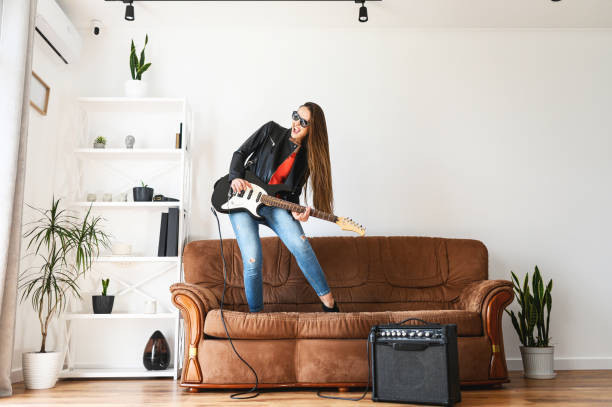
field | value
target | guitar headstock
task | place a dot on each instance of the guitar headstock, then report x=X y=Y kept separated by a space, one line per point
x=349 y=224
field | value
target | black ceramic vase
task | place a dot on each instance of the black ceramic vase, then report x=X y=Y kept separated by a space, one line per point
x=157 y=353
x=102 y=304
x=142 y=194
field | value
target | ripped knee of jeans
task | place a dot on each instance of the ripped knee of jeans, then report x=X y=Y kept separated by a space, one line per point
x=251 y=263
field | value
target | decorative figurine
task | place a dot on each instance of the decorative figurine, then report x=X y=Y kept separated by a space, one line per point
x=129 y=141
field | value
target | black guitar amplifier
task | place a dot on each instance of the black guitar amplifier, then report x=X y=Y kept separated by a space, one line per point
x=415 y=364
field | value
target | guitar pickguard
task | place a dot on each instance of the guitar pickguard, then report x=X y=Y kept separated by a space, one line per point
x=249 y=200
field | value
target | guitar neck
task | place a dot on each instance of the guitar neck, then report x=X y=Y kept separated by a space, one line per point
x=280 y=203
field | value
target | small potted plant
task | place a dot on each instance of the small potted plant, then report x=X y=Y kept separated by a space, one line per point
x=143 y=193
x=535 y=304
x=136 y=87
x=103 y=304
x=64 y=247
x=100 y=142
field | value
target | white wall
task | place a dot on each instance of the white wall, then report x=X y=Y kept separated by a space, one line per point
x=497 y=135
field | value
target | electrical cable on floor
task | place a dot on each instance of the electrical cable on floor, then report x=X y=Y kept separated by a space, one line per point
x=370 y=340
x=255 y=387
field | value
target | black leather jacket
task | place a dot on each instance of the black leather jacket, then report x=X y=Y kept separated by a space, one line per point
x=266 y=149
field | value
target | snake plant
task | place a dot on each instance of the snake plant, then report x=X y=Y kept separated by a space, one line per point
x=105 y=285
x=535 y=303
x=138 y=66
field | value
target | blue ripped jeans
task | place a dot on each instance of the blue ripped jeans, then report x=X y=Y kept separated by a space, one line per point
x=290 y=232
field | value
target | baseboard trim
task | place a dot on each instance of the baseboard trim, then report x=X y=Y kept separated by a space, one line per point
x=16 y=375
x=515 y=364
x=569 y=363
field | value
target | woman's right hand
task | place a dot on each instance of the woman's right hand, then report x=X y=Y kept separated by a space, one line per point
x=239 y=184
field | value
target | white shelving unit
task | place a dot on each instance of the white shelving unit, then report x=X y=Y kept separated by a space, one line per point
x=164 y=205
x=114 y=118
x=114 y=373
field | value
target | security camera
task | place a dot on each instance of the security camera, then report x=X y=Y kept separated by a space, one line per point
x=96 y=27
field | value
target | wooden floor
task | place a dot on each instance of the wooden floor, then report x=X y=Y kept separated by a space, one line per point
x=569 y=388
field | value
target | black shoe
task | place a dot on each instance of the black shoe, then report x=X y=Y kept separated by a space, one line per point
x=334 y=309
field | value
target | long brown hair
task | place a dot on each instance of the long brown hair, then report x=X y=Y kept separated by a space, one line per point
x=319 y=166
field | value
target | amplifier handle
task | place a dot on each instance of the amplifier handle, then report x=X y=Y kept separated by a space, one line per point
x=418 y=319
x=407 y=346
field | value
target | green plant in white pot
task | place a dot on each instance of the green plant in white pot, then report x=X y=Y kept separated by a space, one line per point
x=534 y=315
x=63 y=246
x=136 y=87
x=100 y=142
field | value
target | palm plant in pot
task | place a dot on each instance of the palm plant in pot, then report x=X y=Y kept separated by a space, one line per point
x=535 y=302
x=136 y=87
x=63 y=246
x=103 y=304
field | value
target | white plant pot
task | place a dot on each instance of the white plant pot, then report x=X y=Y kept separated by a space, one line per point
x=538 y=362
x=135 y=88
x=40 y=370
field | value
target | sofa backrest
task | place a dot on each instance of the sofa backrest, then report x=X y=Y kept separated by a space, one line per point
x=374 y=273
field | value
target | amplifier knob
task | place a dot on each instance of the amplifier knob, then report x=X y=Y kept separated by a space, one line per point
x=427 y=334
x=403 y=333
x=419 y=334
x=384 y=333
x=393 y=333
x=411 y=334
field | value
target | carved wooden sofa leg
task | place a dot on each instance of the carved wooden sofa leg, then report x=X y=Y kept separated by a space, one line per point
x=191 y=301
x=498 y=301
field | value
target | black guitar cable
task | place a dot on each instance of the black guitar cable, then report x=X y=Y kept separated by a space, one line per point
x=255 y=387
x=365 y=392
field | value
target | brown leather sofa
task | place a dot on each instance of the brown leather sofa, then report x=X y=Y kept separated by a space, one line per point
x=375 y=280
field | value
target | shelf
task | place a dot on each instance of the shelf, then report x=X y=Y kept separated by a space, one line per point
x=135 y=259
x=114 y=372
x=119 y=315
x=129 y=153
x=130 y=204
x=134 y=105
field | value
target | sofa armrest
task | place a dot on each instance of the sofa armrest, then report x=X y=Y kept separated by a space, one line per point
x=490 y=298
x=473 y=296
x=194 y=302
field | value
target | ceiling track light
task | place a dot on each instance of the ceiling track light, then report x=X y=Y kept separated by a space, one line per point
x=363 y=11
x=129 y=8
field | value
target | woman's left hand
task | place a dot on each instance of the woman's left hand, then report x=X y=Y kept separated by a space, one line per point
x=302 y=217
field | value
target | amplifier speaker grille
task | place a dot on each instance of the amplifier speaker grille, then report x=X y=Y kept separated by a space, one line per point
x=416 y=371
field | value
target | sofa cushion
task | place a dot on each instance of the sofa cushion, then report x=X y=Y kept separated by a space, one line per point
x=414 y=261
x=319 y=325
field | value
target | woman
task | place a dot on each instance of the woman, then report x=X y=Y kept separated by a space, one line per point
x=284 y=156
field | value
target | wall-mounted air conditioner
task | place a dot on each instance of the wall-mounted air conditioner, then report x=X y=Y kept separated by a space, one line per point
x=57 y=30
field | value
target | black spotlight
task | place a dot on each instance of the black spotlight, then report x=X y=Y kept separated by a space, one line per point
x=363 y=12
x=129 y=11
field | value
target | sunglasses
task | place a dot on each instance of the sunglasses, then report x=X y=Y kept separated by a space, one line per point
x=295 y=116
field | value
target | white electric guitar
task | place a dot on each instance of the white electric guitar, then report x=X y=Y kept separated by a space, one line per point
x=250 y=200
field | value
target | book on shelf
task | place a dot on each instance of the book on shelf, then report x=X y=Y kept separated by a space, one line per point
x=178 y=143
x=163 y=232
x=172 y=234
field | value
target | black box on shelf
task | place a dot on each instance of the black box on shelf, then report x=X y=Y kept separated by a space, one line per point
x=163 y=233
x=172 y=235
